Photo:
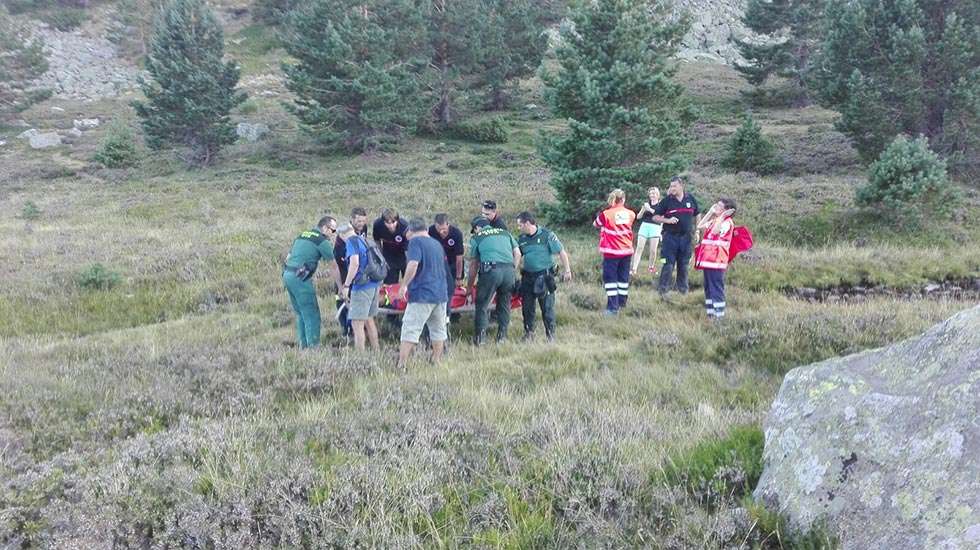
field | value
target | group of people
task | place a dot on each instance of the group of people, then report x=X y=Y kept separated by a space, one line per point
x=674 y=220
x=428 y=261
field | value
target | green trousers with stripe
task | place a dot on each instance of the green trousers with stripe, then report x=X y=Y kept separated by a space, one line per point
x=302 y=295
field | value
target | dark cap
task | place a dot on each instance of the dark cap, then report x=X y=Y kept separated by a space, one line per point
x=490 y=205
x=478 y=223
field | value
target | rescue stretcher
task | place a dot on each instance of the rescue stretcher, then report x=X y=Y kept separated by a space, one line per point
x=389 y=304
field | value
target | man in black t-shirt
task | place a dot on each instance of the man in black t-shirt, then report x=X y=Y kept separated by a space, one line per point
x=677 y=212
x=451 y=239
x=389 y=231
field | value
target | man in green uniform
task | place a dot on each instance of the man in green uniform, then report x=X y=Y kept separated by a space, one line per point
x=494 y=254
x=538 y=247
x=297 y=274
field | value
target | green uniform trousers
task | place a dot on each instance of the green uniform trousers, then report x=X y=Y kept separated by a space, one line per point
x=530 y=301
x=302 y=294
x=500 y=279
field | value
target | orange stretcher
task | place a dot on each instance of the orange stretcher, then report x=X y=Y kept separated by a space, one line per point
x=390 y=304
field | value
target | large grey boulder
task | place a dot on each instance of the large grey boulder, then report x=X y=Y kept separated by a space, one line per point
x=883 y=447
x=45 y=140
x=251 y=132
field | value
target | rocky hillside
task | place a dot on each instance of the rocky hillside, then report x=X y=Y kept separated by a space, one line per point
x=85 y=65
x=714 y=26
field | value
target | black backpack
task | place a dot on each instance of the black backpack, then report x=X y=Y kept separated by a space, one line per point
x=376 y=268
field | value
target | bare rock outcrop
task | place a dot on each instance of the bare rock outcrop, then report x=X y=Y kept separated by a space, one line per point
x=883 y=447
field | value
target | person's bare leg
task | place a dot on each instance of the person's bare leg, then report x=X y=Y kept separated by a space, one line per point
x=641 y=243
x=372 y=334
x=653 y=252
x=358 y=327
x=437 y=349
x=404 y=352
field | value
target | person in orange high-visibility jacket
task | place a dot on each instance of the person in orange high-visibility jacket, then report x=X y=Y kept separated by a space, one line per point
x=713 y=255
x=615 y=226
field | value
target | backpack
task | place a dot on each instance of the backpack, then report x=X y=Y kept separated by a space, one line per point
x=741 y=241
x=376 y=268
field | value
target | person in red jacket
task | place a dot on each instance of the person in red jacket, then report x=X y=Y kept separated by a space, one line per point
x=713 y=255
x=615 y=226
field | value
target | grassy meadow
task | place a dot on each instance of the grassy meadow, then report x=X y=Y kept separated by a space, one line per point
x=166 y=410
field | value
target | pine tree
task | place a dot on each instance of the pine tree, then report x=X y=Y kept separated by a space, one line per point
x=21 y=61
x=354 y=77
x=627 y=118
x=749 y=150
x=514 y=42
x=790 y=30
x=452 y=40
x=904 y=66
x=191 y=90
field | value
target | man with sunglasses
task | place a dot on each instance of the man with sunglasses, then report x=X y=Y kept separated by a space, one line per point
x=308 y=250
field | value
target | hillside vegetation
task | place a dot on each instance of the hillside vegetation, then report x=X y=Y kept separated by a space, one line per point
x=160 y=404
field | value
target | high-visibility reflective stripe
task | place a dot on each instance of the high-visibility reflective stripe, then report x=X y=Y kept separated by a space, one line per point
x=611 y=293
x=624 y=292
x=716 y=243
x=713 y=265
x=618 y=232
x=719 y=305
x=623 y=285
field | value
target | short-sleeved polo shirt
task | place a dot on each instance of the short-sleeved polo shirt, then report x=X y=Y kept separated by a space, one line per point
x=493 y=245
x=685 y=210
x=538 y=250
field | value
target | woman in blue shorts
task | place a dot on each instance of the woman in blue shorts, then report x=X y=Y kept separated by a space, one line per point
x=649 y=231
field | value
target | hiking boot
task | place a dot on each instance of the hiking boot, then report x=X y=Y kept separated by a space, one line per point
x=500 y=337
x=479 y=338
x=528 y=336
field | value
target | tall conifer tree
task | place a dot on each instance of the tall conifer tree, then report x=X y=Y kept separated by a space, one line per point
x=905 y=67
x=627 y=118
x=355 y=70
x=791 y=31
x=191 y=89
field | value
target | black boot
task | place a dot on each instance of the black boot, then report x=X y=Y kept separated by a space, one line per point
x=479 y=338
x=528 y=335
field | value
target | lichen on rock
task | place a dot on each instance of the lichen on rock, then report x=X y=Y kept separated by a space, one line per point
x=883 y=447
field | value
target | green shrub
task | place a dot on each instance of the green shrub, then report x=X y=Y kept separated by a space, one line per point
x=750 y=151
x=65 y=19
x=98 y=277
x=908 y=174
x=30 y=211
x=490 y=130
x=118 y=148
x=719 y=468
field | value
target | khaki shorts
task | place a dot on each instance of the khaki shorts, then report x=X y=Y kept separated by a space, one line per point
x=419 y=315
x=363 y=304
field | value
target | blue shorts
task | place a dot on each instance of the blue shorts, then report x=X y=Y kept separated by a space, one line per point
x=650 y=230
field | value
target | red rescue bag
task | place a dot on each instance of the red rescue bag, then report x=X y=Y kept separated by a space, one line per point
x=741 y=241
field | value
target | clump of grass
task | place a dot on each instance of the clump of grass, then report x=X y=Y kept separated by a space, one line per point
x=98 y=277
x=720 y=468
x=773 y=530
